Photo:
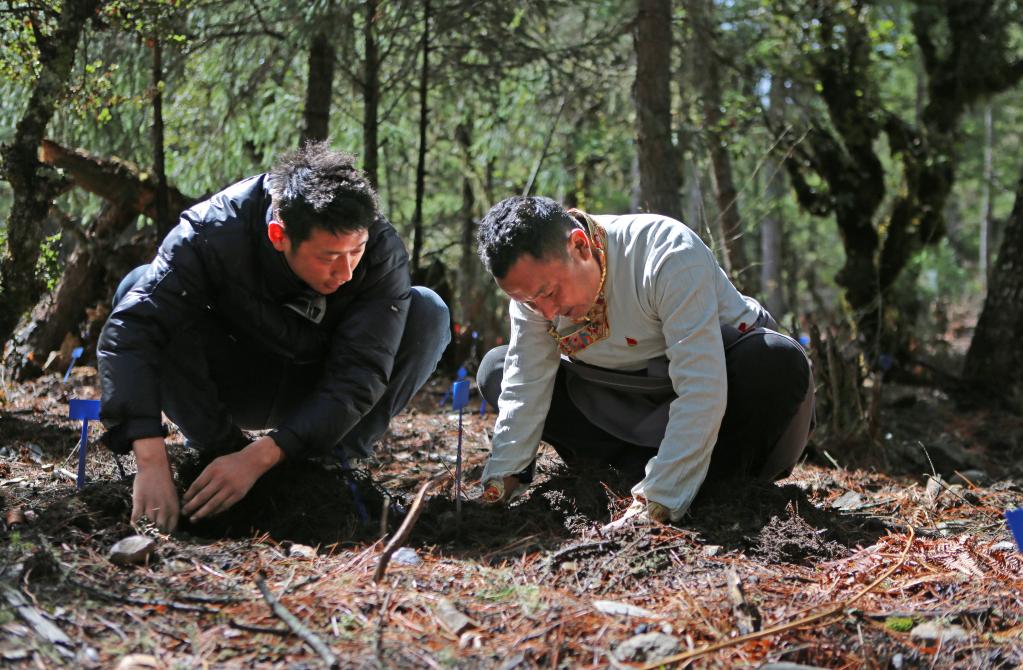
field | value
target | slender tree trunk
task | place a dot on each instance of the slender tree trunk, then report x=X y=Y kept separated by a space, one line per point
x=319 y=88
x=370 y=94
x=985 y=207
x=164 y=217
x=995 y=358
x=772 y=228
x=658 y=172
x=708 y=78
x=424 y=118
x=33 y=185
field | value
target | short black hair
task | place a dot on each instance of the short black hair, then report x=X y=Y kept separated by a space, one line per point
x=520 y=225
x=318 y=187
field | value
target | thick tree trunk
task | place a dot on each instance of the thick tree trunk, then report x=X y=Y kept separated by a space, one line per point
x=995 y=359
x=707 y=80
x=658 y=172
x=319 y=88
x=112 y=179
x=34 y=186
x=370 y=95
x=424 y=120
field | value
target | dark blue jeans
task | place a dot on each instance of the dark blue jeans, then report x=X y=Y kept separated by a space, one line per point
x=213 y=385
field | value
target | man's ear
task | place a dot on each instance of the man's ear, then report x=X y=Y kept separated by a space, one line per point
x=579 y=242
x=275 y=231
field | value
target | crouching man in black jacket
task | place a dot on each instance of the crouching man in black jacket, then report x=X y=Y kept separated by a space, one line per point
x=282 y=302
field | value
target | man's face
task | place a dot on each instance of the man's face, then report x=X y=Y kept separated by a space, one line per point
x=325 y=260
x=555 y=285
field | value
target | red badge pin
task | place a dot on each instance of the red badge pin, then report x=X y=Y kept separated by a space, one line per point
x=631 y=341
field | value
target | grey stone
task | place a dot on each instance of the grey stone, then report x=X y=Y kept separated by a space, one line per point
x=132 y=550
x=646 y=647
x=848 y=501
x=406 y=556
x=932 y=631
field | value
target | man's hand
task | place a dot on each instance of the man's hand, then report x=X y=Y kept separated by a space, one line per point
x=153 y=494
x=228 y=478
x=502 y=490
x=642 y=511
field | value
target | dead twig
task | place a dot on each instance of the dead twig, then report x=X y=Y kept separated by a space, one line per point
x=297 y=626
x=406 y=526
x=781 y=628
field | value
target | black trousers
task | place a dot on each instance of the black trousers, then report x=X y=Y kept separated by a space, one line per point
x=767 y=421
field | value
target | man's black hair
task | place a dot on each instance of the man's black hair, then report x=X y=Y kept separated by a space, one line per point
x=318 y=187
x=522 y=225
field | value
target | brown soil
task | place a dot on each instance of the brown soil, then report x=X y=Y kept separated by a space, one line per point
x=871 y=554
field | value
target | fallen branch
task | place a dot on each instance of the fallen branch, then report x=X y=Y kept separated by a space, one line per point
x=297 y=626
x=42 y=626
x=774 y=630
x=406 y=526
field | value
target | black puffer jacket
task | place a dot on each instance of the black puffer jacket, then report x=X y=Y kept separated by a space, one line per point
x=218 y=263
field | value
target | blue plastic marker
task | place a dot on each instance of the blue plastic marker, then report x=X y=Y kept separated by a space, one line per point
x=76 y=353
x=460 y=375
x=459 y=399
x=86 y=410
x=1015 y=519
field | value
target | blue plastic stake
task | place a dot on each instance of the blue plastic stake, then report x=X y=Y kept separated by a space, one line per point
x=483 y=405
x=76 y=353
x=459 y=399
x=1015 y=519
x=86 y=410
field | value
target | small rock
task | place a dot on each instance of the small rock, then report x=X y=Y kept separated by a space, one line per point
x=711 y=550
x=454 y=621
x=1004 y=545
x=898 y=660
x=406 y=556
x=301 y=551
x=132 y=550
x=647 y=647
x=934 y=488
x=139 y=662
x=568 y=566
x=848 y=501
x=931 y=631
x=975 y=477
x=621 y=609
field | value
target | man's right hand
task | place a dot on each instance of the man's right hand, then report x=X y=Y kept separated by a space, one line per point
x=154 y=495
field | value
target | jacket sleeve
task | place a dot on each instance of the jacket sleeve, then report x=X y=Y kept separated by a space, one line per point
x=686 y=302
x=168 y=297
x=359 y=364
x=530 y=367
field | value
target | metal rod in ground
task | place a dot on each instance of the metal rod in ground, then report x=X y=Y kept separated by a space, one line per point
x=458 y=474
x=297 y=626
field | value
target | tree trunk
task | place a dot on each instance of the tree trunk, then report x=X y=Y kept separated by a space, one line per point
x=985 y=207
x=707 y=80
x=99 y=260
x=424 y=118
x=33 y=185
x=165 y=219
x=658 y=173
x=995 y=359
x=772 y=229
x=370 y=95
x=319 y=88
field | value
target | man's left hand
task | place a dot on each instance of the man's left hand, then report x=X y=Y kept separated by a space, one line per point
x=641 y=511
x=228 y=478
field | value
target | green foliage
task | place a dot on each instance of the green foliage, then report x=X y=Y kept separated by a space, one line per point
x=49 y=267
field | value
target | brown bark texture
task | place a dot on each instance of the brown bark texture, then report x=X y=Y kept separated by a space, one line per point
x=34 y=186
x=995 y=359
x=319 y=88
x=658 y=173
x=707 y=79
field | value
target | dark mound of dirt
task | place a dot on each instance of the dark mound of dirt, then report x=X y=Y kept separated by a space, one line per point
x=303 y=502
x=776 y=522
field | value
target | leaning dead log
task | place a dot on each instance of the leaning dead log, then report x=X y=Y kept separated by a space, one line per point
x=106 y=249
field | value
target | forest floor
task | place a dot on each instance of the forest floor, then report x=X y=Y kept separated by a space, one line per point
x=904 y=564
